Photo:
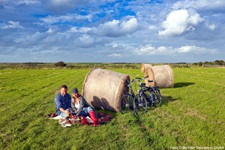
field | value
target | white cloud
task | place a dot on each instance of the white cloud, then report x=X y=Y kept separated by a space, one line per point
x=152 y=27
x=195 y=50
x=62 y=4
x=50 y=30
x=163 y=50
x=211 y=26
x=118 y=28
x=80 y=30
x=151 y=50
x=115 y=55
x=86 y=39
x=180 y=21
x=130 y=25
x=65 y=18
x=11 y=4
x=115 y=45
x=13 y=25
x=200 y=4
x=32 y=38
x=187 y=49
x=28 y=2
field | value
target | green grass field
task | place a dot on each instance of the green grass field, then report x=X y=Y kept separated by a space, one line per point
x=192 y=113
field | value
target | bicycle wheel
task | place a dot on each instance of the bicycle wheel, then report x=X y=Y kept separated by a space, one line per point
x=157 y=98
x=149 y=98
x=141 y=103
x=127 y=103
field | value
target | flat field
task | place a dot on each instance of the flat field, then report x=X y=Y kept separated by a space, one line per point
x=192 y=114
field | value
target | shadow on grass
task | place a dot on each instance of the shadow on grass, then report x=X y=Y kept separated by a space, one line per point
x=168 y=99
x=182 y=84
x=101 y=103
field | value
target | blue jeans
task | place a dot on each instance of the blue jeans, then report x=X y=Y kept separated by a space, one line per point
x=85 y=111
x=62 y=114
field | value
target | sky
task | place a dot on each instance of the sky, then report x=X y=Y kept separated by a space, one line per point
x=133 y=31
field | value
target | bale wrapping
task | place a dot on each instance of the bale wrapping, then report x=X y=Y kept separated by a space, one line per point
x=103 y=88
x=161 y=75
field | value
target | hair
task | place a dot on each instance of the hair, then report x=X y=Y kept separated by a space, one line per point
x=64 y=86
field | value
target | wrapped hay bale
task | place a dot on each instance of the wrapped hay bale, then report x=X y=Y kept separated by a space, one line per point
x=104 y=88
x=161 y=75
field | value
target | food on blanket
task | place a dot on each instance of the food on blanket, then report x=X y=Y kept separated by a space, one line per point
x=65 y=122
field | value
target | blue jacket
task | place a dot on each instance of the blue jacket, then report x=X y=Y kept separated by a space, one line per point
x=62 y=102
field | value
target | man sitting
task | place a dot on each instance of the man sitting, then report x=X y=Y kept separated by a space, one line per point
x=63 y=102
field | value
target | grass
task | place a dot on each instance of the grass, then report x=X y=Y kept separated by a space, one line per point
x=192 y=113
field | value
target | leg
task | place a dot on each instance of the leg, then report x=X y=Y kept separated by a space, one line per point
x=62 y=114
x=93 y=117
x=83 y=115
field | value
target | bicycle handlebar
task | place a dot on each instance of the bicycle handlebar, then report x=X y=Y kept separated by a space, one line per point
x=139 y=79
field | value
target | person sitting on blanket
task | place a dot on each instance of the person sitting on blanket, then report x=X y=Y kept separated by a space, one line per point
x=63 y=102
x=81 y=107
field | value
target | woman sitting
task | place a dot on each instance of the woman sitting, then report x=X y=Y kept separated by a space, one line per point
x=81 y=107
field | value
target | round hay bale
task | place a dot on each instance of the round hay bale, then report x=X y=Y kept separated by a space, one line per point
x=163 y=76
x=103 y=88
x=144 y=66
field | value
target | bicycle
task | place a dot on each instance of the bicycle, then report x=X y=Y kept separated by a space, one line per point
x=155 y=98
x=147 y=96
x=153 y=95
x=141 y=99
x=128 y=100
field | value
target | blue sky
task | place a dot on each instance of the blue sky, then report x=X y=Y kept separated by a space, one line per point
x=154 y=31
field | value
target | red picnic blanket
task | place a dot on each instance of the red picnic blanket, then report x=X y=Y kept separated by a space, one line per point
x=103 y=118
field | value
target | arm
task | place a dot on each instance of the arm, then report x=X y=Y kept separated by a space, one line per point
x=81 y=106
x=65 y=111
x=73 y=105
x=58 y=104
x=69 y=104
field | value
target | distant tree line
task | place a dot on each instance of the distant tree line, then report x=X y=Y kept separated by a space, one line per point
x=60 y=64
x=122 y=65
x=215 y=63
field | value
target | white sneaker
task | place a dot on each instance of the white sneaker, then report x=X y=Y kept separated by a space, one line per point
x=66 y=125
x=89 y=119
x=62 y=121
